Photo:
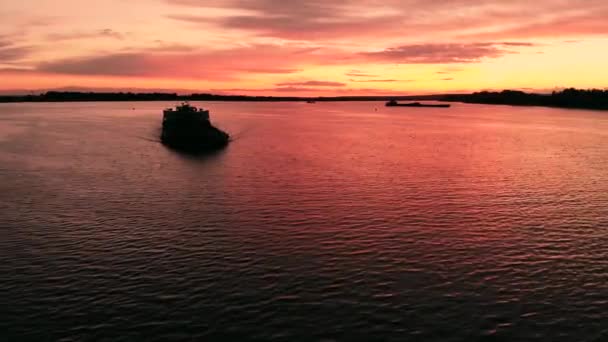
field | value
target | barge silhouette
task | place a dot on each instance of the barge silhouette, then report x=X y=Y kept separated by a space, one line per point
x=393 y=103
x=187 y=128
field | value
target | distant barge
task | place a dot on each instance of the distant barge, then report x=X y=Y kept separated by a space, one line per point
x=188 y=128
x=393 y=103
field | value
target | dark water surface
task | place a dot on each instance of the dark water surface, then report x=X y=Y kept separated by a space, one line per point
x=324 y=222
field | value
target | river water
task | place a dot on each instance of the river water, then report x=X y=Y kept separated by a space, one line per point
x=320 y=222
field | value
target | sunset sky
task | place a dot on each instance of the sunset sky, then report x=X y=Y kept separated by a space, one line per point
x=314 y=47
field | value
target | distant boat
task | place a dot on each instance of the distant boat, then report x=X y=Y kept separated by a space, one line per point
x=393 y=103
x=311 y=101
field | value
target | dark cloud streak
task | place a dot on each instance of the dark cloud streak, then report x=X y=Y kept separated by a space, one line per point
x=105 y=33
x=11 y=52
x=380 y=81
x=311 y=83
x=357 y=73
x=436 y=53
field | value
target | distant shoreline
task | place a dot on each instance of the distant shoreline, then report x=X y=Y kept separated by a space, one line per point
x=157 y=97
x=569 y=98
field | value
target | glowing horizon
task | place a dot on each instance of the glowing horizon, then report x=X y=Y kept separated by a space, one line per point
x=270 y=47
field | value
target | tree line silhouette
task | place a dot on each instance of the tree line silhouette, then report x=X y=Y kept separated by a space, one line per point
x=567 y=98
x=72 y=96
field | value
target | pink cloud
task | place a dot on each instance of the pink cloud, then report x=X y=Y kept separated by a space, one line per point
x=180 y=61
x=229 y=64
x=317 y=20
x=185 y=63
x=583 y=23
